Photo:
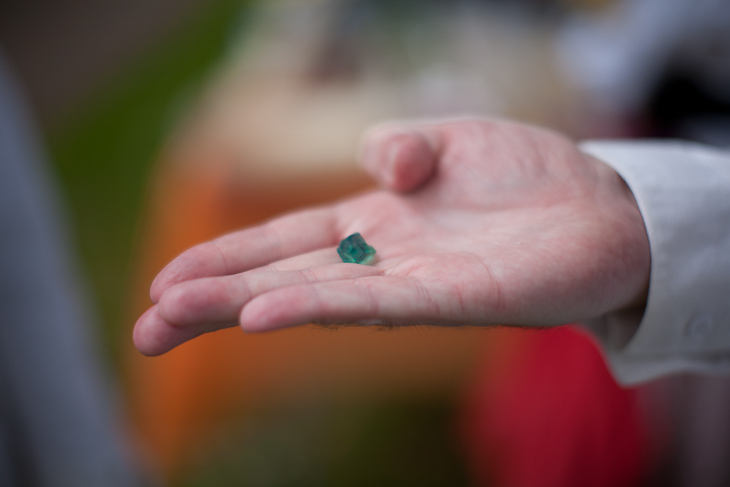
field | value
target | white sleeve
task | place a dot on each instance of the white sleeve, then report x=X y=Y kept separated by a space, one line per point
x=683 y=193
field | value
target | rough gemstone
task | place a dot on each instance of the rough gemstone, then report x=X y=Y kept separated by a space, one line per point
x=354 y=249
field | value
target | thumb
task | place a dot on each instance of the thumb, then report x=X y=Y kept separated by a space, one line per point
x=400 y=157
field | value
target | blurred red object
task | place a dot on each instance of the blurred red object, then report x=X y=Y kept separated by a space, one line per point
x=550 y=414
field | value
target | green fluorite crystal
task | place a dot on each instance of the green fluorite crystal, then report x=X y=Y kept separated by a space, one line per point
x=354 y=249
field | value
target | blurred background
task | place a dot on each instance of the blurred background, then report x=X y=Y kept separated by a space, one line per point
x=168 y=122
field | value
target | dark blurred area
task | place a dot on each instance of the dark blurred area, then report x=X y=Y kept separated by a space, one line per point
x=65 y=51
x=169 y=122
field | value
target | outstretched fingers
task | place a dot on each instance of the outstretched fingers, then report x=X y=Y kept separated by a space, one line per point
x=281 y=238
x=375 y=300
x=199 y=306
x=216 y=299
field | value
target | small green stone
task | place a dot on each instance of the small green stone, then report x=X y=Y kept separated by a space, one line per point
x=354 y=249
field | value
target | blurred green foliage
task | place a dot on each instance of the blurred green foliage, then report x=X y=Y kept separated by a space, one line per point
x=393 y=444
x=105 y=152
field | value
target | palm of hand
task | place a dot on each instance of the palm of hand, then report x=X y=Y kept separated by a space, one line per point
x=495 y=223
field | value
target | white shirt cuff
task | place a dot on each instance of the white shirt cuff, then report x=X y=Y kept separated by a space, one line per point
x=683 y=193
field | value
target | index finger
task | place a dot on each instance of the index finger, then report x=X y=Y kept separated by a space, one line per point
x=240 y=251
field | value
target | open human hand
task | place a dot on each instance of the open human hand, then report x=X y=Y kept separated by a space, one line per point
x=479 y=222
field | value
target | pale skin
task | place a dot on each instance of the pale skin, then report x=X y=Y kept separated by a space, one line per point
x=478 y=222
